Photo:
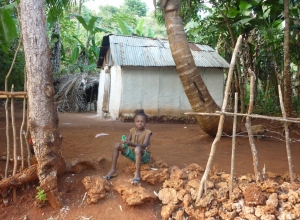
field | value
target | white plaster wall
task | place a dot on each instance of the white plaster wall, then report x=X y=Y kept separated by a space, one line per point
x=140 y=89
x=214 y=81
x=171 y=102
x=158 y=90
x=100 y=92
x=115 y=91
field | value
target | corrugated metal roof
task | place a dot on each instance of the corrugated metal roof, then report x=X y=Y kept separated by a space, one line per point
x=142 y=51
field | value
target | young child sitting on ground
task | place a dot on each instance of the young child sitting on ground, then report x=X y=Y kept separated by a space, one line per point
x=139 y=141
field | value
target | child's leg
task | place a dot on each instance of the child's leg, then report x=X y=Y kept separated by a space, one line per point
x=117 y=148
x=138 y=161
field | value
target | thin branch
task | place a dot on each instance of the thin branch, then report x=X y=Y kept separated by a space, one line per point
x=233 y=143
x=287 y=137
x=217 y=113
x=248 y=126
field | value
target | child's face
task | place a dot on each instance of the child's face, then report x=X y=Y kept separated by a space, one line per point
x=140 y=122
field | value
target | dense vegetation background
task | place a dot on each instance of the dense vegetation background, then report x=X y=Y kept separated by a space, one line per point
x=271 y=45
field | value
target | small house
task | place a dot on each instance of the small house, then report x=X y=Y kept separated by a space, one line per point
x=139 y=72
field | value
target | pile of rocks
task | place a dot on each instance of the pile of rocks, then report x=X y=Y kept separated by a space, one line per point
x=274 y=198
x=265 y=200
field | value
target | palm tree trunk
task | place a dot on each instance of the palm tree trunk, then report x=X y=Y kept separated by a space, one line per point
x=43 y=118
x=194 y=87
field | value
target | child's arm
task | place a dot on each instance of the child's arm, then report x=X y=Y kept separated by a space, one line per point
x=144 y=145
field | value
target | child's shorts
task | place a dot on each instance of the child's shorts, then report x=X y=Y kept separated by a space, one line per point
x=131 y=155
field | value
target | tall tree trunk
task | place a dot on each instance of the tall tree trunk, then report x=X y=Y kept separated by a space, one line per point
x=286 y=67
x=194 y=87
x=43 y=118
x=56 y=48
x=297 y=81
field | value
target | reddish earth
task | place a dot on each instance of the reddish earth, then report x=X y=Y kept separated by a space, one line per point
x=175 y=144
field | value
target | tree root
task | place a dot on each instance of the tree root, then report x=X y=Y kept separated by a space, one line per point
x=30 y=174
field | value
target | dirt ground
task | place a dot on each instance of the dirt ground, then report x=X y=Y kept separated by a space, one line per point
x=175 y=144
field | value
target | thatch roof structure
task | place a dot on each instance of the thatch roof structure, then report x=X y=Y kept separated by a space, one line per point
x=70 y=91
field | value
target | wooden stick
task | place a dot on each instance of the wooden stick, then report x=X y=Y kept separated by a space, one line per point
x=12 y=108
x=6 y=104
x=15 y=96
x=248 y=125
x=7 y=137
x=21 y=133
x=233 y=143
x=218 y=113
x=221 y=121
x=27 y=122
x=22 y=126
x=287 y=137
x=13 y=93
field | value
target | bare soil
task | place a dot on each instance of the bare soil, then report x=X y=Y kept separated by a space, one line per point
x=176 y=144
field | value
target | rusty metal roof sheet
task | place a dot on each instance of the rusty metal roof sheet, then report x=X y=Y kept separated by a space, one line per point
x=142 y=51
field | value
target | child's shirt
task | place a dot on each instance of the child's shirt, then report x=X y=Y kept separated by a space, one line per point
x=139 y=138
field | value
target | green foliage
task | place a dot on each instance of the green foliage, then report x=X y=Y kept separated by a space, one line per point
x=117 y=21
x=139 y=29
x=150 y=32
x=56 y=8
x=264 y=105
x=125 y=29
x=84 y=53
x=8 y=28
x=17 y=74
x=135 y=7
x=296 y=105
x=41 y=195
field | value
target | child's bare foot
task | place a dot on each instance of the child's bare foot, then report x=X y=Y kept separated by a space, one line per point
x=110 y=175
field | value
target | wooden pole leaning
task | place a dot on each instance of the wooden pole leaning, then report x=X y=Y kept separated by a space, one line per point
x=13 y=124
x=287 y=136
x=249 y=128
x=221 y=121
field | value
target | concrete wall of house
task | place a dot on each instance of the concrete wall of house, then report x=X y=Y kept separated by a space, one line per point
x=158 y=90
x=104 y=92
x=115 y=91
x=101 y=93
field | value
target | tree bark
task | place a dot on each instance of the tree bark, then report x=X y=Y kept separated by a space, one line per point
x=286 y=68
x=297 y=83
x=43 y=118
x=56 y=49
x=194 y=87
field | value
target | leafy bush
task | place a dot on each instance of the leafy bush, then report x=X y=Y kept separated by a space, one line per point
x=17 y=74
x=264 y=105
x=296 y=105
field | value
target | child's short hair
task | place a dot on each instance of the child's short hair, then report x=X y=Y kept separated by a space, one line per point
x=140 y=112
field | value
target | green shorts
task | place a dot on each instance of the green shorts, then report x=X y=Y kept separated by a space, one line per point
x=131 y=155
